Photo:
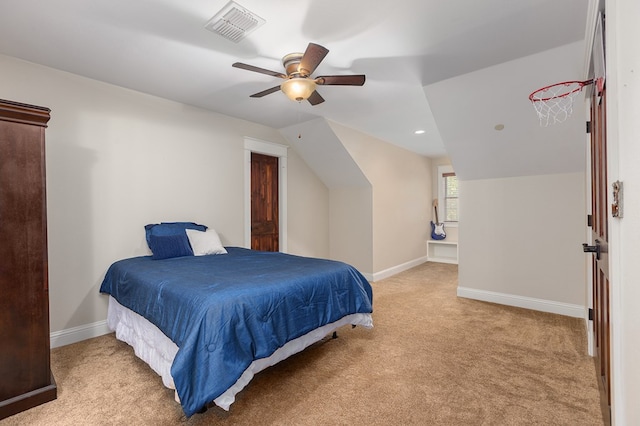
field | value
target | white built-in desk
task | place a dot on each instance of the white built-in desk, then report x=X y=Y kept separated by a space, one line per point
x=442 y=251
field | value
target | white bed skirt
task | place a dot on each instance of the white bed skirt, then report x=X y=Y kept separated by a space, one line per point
x=157 y=350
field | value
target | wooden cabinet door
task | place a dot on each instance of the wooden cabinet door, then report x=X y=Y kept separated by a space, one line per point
x=25 y=374
x=24 y=365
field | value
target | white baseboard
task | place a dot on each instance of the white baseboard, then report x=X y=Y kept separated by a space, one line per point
x=542 y=305
x=78 y=334
x=368 y=276
x=396 y=269
x=100 y=328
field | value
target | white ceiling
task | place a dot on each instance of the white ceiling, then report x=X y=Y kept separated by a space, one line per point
x=406 y=48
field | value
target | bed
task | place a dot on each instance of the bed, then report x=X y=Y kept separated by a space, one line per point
x=206 y=323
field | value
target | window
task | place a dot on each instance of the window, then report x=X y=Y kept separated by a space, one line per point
x=447 y=194
x=450 y=197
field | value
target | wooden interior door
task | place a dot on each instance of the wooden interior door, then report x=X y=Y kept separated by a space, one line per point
x=600 y=263
x=264 y=203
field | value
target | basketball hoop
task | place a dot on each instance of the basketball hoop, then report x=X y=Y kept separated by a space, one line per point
x=554 y=104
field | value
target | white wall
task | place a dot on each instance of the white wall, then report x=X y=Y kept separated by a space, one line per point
x=379 y=196
x=623 y=139
x=401 y=185
x=118 y=159
x=520 y=241
x=351 y=230
x=308 y=226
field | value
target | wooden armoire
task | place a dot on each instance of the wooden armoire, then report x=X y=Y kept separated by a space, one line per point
x=25 y=368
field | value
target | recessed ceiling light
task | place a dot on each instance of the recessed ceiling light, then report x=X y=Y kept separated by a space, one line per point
x=499 y=127
x=419 y=132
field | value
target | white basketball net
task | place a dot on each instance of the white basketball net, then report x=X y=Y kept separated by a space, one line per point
x=554 y=104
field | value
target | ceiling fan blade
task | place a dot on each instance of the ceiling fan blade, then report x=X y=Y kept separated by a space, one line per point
x=265 y=92
x=341 y=80
x=258 y=69
x=312 y=58
x=315 y=98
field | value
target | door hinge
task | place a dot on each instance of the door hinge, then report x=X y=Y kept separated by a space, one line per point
x=590 y=314
x=589 y=220
x=588 y=127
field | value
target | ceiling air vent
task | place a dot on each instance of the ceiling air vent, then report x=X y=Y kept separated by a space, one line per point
x=234 y=22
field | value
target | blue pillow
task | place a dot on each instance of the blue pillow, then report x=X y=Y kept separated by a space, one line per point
x=168 y=246
x=170 y=228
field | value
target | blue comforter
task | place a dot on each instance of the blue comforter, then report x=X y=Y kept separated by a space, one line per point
x=225 y=311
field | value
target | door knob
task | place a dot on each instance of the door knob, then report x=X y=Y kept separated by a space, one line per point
x=592 y=249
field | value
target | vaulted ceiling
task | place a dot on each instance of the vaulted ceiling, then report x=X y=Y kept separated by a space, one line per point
x=433 y=65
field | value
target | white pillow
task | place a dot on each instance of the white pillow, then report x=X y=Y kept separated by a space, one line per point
x=207 y=242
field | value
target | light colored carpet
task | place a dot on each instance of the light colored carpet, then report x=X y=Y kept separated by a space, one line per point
x=431 y=359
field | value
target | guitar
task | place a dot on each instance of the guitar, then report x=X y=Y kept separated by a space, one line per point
x=437 y=228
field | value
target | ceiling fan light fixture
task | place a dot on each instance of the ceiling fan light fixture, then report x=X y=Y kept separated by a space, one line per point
x=298 y=88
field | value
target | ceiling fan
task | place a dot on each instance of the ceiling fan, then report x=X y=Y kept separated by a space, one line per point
x=298 y=84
